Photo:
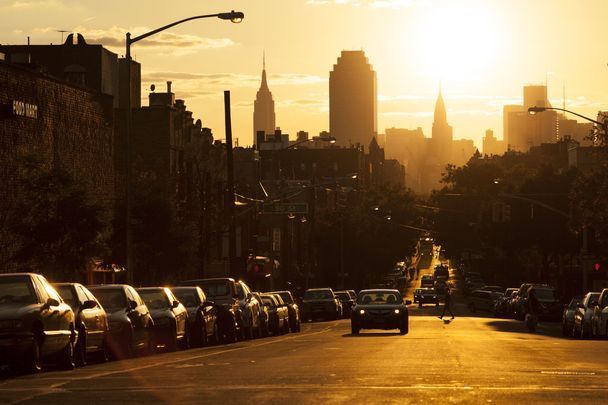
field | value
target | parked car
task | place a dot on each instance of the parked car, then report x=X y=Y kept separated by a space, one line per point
x=427 y=281
x=321 y=303
x=599 y=319
x=293 y=309
x=170 y=317
x=568 y=316
x=483 y=300
x=582 y=315
x=380 y=309
x=264 y=316
x=346 y=301
x=91 y=322
x=130 y=321
x=426 y=295
x=35 y=324
x=277 y=312
x=223 y=292
x=202 y=315
x=501 y=306
x=352 y=294
x=250 y=309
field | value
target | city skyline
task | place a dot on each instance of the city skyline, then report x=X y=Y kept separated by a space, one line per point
x=463 y=44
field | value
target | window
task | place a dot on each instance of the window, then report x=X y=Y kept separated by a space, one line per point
x=82 y=297
x=50 y=290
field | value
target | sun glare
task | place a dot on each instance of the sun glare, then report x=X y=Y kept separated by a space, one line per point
x=457 y=43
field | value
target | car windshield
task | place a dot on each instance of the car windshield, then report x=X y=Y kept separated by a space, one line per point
x=544 y=293
x=286 y=297
x=240 y=291
x=379 y=298
x=593 y=298
x=187 y=298
x=343 y=296
x=268 y=301
x=16 y=290
x=68 y=295
x=111 y=299
x=154 y=299
x=317 y=295
x=219 y=288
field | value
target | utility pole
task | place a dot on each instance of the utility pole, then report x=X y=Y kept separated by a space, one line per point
x=229 y=201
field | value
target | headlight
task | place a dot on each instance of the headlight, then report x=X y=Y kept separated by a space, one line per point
x=397 y=311
x=362 y=311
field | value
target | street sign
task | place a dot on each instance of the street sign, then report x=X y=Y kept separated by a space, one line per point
x=285 y=208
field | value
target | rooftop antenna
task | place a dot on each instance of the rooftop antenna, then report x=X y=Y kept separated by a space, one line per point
x=62 y=32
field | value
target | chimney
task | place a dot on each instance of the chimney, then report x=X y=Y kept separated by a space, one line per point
x=168 y=86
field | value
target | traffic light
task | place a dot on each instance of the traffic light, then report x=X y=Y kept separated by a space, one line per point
x=259 y=266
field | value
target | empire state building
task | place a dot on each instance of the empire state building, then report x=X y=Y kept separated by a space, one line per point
x=263 y=108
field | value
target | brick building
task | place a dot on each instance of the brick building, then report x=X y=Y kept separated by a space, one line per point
x=65 y=124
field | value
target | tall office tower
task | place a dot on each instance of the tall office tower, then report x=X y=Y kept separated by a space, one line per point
x=352 y=100
x=263 y=108
x=441 y=138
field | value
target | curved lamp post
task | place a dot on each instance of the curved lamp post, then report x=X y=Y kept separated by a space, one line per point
x=233 y=16
x=535 y=109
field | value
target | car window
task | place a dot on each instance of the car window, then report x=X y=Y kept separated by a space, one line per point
x=240 y=291
x=67 y=293
x=317 y=295
x=88 y=294
x=379 y=298
x=134 y=296
x=16 y=290
x=604 y=300
x=82 y=297
x=189 y=298
x=287 y=297
x=112 y=299
x=268 y=301
x=246 y=289
x=50 y=290
x=544 y=293
x=201 y=295
x=155 y=299
x=39 y=289
x=216 y=288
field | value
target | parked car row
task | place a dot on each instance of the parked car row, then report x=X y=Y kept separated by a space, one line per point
x=324 y=303
x=68 y=324
x=586 y=316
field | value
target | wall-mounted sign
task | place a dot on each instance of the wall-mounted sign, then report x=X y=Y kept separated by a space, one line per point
x=23 y=109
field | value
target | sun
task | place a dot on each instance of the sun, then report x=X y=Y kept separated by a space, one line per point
x=457 y=42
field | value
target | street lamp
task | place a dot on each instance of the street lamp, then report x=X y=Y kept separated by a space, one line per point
x=233 y=16
x=536 y=109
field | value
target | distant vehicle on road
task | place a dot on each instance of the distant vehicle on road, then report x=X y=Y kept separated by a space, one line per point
x=568 y=316
x=131 y=324
x=426 y=296
x=582 y=315
x=380 y=309
x=35 y=324
x=278 y=314
x=346 y=301
x=550 y=307
x=483 y=300
x=427 y=281
x=293 y=308
x=91 y=322
x=442 y=271
x=321 y=303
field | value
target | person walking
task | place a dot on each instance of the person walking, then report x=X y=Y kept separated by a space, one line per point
x=447 y=301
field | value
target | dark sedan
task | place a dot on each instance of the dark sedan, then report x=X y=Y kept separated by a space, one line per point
x=91 y=322
x=347 y=302
x=426 y=295
x=202 y=315
x=35 y=323
x=170 y=317
x=380 y=309
x=131 y=325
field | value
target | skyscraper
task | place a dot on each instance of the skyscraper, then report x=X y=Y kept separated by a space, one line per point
x=441 y=138
x=263 y=108
x=352 y=100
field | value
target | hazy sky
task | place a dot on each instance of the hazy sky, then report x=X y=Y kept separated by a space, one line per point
x=482 y=52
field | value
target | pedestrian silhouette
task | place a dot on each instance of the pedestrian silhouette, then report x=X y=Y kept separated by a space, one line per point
x=447 y=301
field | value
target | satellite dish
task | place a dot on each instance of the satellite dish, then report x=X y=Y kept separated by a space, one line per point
x=152 y=87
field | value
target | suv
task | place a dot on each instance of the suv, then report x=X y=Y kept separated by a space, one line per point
x=223 y=292
x=34 y=323
x=321 y=302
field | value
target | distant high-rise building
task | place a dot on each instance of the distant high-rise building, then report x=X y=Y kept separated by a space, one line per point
x=524 y=130
x=493 y=146
x=441 y=138
x=263 y=108
x=352 y=100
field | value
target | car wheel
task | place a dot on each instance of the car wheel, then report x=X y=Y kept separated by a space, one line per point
x=354 y=329
x=65 y=360
x=404 y=329
x=171 y=344
x=265 y=330
x=593 y=329
x=80 y=350
x=203 y=340
x=584 y=333
x=185 y=342
x=31 y=361
x=104 y=353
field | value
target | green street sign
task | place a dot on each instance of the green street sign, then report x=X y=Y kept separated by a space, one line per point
x=285 y=208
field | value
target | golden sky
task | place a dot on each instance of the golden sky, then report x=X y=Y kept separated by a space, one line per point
x=481 y=51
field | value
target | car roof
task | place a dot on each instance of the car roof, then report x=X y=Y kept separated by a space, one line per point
x=380 y=290
x=319 y=289
x=108 y=286
x=198 y=280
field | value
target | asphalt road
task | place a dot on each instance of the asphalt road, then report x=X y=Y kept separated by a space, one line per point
x=473 y=359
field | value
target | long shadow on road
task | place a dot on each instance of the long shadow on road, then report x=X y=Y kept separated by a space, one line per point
x=371 y=334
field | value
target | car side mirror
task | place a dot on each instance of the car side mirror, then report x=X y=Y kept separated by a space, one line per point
x=89 y=304
x=175 y=304
x=51 y=302
x=132 y=305
x=408 y=302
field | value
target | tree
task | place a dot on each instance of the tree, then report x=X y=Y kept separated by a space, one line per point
x=56 y=225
